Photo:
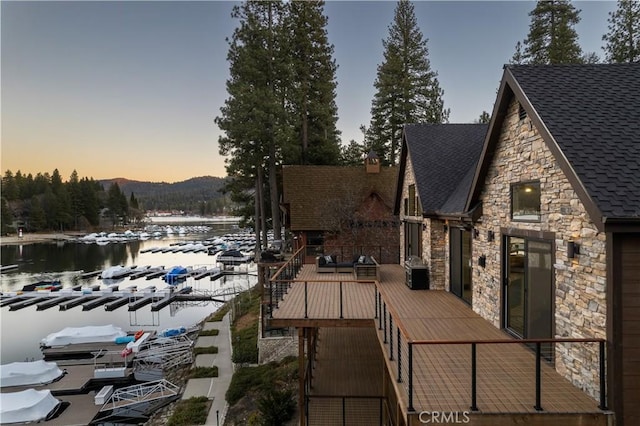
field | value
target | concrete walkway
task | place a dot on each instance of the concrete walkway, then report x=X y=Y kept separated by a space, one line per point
x=214 y=388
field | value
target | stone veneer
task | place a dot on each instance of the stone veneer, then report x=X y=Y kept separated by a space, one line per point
x=580 y=305
x=434 y=238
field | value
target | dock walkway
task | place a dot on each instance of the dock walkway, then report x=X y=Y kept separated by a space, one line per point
x=214 y=388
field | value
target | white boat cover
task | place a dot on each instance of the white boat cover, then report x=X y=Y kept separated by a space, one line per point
x=115 y=272
x=26 y=406
x=88 y=334
x=28 y=373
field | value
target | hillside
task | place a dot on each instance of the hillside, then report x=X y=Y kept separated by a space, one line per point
x=185 y=195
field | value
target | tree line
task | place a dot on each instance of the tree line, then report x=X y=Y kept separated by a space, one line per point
x=281 y=106
x=46 y=202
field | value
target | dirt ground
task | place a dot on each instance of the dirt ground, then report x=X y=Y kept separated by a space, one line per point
x=28 y=238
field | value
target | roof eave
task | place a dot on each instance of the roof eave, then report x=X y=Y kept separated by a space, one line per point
x=509 y=88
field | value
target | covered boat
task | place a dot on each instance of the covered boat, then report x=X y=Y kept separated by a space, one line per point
x=88 y=334
x=115 y=272
x=29 y=373
x=175 y=275
x=233 y=257
x=26 y=406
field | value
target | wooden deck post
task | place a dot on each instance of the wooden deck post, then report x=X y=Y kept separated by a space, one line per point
x=301 y=392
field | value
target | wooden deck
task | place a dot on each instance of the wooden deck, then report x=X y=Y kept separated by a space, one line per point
x=324 y=293
x=354 y=356
x=441 y=372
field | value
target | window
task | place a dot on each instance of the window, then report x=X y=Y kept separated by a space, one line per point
x=412 y=200
x=525 y=201
x=522 y=114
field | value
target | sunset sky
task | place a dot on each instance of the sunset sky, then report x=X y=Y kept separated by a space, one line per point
x=131 y=89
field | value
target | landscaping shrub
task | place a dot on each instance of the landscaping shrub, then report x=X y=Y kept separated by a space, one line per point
x=205 y=350
x=276 y=406
x=192 y=411
x=199 y=372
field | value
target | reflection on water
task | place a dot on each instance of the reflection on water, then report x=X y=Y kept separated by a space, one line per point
x=22 y=330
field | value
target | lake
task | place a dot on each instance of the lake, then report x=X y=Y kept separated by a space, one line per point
x=22 y=330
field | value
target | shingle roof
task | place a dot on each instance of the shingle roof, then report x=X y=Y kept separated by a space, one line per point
x=593 y=114
x=444 y=157
x=313 y=192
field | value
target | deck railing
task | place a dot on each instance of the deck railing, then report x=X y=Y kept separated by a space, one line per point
x=402 y=350
x=345 y=253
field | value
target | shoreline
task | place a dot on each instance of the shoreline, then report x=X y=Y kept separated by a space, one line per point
x=13 y=240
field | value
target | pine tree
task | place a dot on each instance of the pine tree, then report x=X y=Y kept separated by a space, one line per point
x=6 y=216
x=552 y=38
x=407 y=89
x=254 y=119
x=313 y=92
x=623 y=38
x=484 y=118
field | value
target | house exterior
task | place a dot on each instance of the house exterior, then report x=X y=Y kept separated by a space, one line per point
x=338 y=209
x=528 y=229
x=556 y=247
x=437 y=164
x=541 y=235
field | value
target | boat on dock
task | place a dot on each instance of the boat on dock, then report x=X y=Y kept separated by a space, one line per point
x=7 y=268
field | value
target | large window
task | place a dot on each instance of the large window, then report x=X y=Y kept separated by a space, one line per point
x=412 y=200
x=412 y=240
x=525 y=201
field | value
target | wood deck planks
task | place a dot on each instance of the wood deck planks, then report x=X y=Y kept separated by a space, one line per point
x=442 y=380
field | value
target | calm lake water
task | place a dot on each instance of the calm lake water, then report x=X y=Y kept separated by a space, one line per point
x=22 y=330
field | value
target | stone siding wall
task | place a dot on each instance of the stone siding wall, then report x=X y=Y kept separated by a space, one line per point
x=580 y=306
x=434 y=237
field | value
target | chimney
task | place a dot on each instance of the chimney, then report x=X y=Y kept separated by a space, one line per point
x=372 y=162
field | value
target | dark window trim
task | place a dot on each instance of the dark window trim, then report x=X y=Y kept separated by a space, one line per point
x=527 y=234
x=525 y=182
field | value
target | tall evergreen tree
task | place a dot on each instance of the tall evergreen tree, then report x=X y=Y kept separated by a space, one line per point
x=552 y=38
x=312 y=95
x=254 y=115
x=6 y=216
x=623 y=38
x=37 y=219
x=10 y=189
x=407 y=89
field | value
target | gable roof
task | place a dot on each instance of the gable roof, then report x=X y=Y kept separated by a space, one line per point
x=589 y=117
x=443 y=157
x=313 y=192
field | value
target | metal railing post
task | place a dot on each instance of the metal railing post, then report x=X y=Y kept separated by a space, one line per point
x=603 y=381
x=384 y=327
x=375 y=297
x=399 y=357
x=474 y=371
x=538 y=405
x=390 y=337
x=305 y=301
x=410 y=407
x=380 y=308
x=341 y=316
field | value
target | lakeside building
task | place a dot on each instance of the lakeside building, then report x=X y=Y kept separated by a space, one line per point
x=516 y=292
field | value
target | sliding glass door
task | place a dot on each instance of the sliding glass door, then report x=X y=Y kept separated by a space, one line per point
x=460 y=263
x=528 y=287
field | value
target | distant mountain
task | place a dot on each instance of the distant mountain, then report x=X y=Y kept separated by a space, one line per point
x=185 y=195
